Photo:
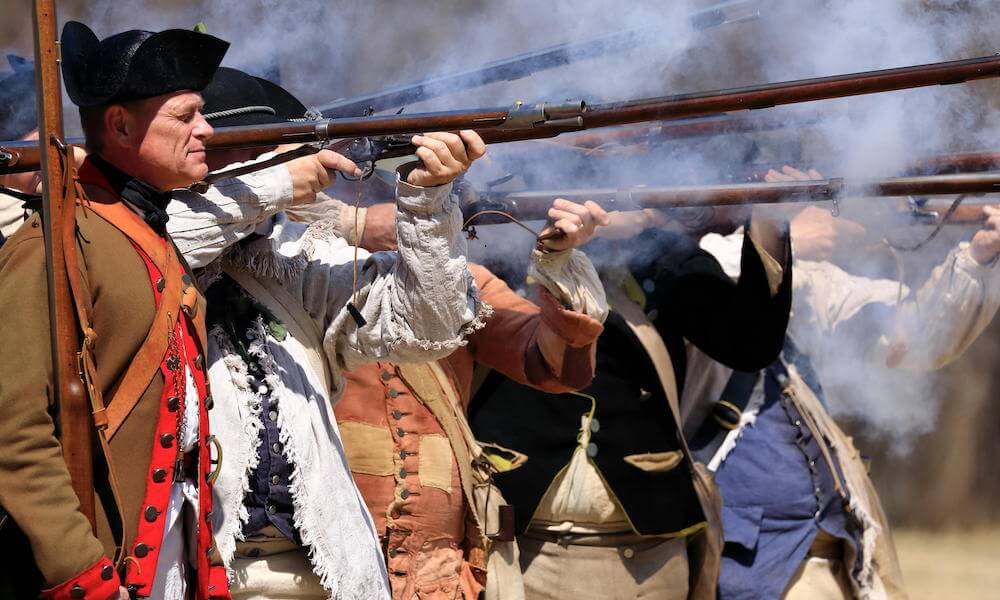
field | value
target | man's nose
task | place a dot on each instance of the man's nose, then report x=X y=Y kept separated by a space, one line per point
x=202 y=129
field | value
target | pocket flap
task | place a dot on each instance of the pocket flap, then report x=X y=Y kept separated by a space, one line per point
x=503 y=459
x=656 y=462
x=741 y=525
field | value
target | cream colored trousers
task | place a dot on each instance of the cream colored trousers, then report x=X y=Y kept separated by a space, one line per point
x=269 y=566
x=819 y=579
x=646 y=570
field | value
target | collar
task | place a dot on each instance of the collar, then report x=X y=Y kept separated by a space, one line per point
x=150 y=202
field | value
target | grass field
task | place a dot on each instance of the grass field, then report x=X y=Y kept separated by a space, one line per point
x=957 y=565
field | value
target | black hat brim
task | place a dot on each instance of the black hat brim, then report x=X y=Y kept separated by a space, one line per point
x=135 y=65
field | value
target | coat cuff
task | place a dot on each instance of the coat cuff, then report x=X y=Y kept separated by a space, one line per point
x=218 y=583
x=98 y=581
x=575 y=329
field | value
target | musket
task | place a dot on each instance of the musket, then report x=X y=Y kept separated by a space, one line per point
x=527 y=64
x=695 y=127
x=385 y=135
x=534 y=204
x=74 y=421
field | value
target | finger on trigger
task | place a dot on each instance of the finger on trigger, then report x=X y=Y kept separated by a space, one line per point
x=441 y=150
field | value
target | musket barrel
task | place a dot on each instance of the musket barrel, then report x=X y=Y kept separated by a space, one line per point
x=792 y=92
x=534 y=204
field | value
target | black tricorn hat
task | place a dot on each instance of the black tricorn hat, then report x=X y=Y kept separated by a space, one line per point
x=285 y=104
x=18 y=110
x=238 y=98
x=136 y=64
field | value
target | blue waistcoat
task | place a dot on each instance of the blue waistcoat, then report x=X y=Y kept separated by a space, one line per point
x=778 y=494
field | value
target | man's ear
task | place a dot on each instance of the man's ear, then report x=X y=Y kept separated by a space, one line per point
x=118 y=125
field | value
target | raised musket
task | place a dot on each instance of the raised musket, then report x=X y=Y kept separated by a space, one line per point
x=534 y=204
x=540 y=121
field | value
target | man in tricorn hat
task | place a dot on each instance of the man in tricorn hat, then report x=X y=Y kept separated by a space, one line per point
x=291 y=522
x=138 y=99
x=144 y=320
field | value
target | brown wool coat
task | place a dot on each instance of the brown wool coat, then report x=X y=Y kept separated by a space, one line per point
x=34 y=482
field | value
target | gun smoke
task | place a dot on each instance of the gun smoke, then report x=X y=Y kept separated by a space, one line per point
x=322 y=51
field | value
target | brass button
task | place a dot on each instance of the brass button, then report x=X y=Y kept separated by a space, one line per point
x=77 y=591
x=167 y=440
x=141 y=550
x=386 y=375
x=402 y=473
x=159 y=475
x=402 y=454
x=400 y=432
x=396 y=414
x=107 y=572
x=173 y=403
x=393 y=552
x=404 y=494
x=393 y=393
x=150 y=514
x=161 y=283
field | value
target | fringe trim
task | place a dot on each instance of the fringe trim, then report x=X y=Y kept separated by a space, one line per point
x=252 y=425
x=266 y=263
x=322 y=562
x=871 y=531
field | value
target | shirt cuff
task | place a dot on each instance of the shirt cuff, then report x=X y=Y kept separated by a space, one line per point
x=571 y=278
x=97 y=582
x=971 y=266
x=420 y=200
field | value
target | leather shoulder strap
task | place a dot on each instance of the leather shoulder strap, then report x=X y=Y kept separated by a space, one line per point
x=146 y=363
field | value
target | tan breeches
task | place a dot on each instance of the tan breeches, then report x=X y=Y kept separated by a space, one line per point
x=819 y=579
x=650 y=569
x=269 y=566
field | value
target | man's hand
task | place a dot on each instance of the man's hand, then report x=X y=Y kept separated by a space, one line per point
x=816 y=234
x=311 y=174
x=444 y=156
x=380 y=227
x=985 y=244
x=577 y=223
